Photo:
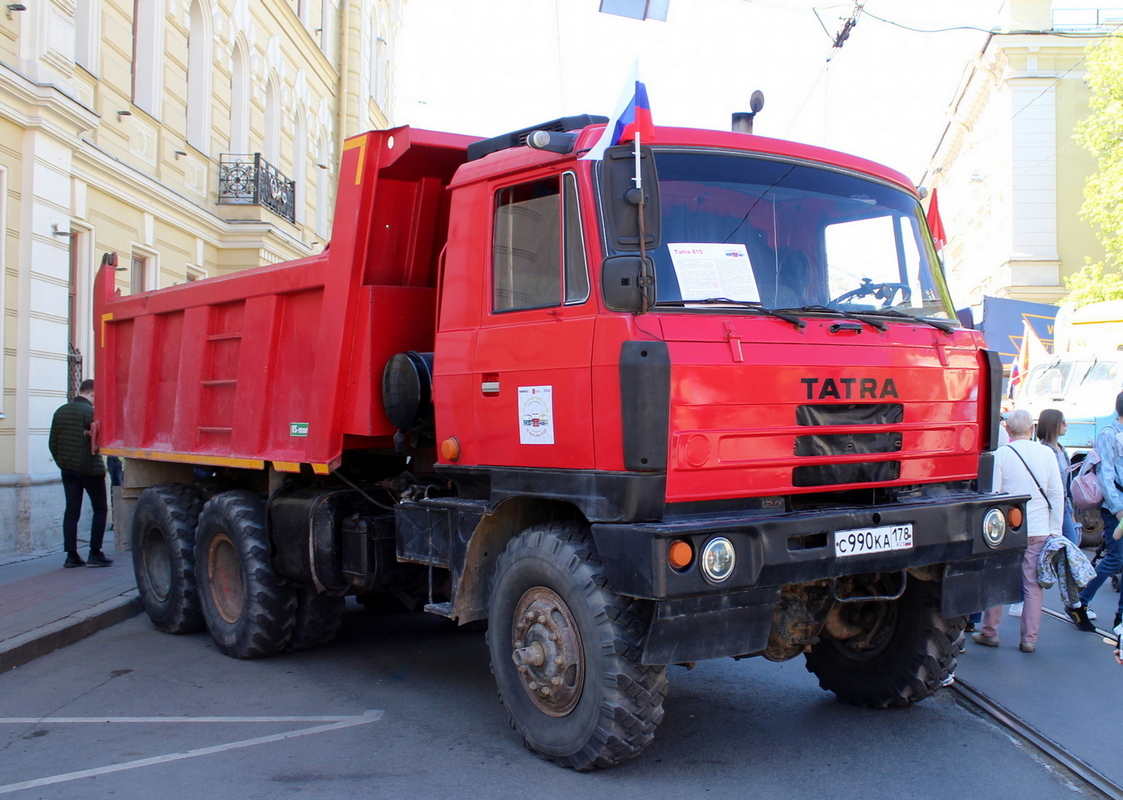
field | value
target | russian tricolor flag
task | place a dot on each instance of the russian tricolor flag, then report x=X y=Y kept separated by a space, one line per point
x=631 y=119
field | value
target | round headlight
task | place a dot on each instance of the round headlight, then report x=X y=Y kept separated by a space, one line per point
x=718 y=559
x=994 y=528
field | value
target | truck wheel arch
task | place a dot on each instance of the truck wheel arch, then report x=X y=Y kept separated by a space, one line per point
x=510 y=518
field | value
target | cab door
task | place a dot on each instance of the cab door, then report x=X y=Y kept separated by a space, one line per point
x=533 y=405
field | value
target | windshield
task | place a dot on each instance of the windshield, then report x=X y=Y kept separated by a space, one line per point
x=789 y=235
x=1085 y=380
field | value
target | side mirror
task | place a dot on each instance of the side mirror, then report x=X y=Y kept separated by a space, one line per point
x=621 y=200
x=624 y=285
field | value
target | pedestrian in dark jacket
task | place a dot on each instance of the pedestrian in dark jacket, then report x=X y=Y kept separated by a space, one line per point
x=82 y=471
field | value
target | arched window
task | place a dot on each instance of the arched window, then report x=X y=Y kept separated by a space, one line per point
x=239 y=99
x=148 y=53
x=200 y=61
x=322 y=178
x=300 y=164
x=381 y=71
x=272 y=122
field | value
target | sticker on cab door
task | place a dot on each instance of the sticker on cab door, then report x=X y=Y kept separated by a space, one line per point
x=536 y=415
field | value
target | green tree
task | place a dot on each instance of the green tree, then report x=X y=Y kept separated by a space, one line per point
x=1102 y=134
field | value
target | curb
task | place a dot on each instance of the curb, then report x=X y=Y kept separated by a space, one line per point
x=29 y=646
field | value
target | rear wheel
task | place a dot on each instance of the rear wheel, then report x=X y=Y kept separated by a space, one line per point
x=250 y=612
x=901 y=653
x=164 y=523
x=565 y=652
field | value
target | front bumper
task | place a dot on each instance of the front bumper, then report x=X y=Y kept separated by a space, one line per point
x=695 y=620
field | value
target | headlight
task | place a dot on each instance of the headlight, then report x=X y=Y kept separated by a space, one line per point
x=994 y=528
x=718 y=559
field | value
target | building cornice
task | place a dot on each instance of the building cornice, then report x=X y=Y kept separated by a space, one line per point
x=43 y=105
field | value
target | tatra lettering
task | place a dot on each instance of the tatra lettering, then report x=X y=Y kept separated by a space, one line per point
x=849 y=388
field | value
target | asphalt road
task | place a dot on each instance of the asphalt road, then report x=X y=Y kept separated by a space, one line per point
x=403 y=706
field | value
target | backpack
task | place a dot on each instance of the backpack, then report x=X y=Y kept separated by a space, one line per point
x=1085 y=487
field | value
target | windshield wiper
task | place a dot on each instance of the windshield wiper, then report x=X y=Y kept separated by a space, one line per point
x=875 y=323
x=946 y=327
x=751 y=305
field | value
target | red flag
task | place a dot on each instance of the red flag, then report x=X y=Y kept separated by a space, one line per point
x=935 y=224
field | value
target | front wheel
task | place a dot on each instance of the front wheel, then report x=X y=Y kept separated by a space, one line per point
x=901 y=652
x=249 y=611
x=565 y=651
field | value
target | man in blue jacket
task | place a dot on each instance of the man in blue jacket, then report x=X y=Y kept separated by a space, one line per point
x=1109 y=446
x=82 y=471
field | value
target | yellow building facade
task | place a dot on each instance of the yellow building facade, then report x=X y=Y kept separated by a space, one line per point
x=190 y=137
x=1009 y=172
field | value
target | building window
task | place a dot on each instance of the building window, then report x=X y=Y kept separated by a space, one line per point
x=87 y=39
x=272 y=122
x=239 y=100
x=138 y=274
x=200 y=59
x=148 y=53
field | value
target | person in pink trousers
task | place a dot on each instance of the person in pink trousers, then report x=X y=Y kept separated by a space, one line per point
x=1027 y=467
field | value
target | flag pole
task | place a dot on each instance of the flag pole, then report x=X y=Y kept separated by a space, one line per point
x=642 y=230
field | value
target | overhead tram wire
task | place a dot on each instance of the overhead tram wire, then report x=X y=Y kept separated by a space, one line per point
x=837 y=40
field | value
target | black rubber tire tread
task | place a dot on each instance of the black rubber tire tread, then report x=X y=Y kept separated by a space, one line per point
x=166 y=516
x=318 y=617
x=268 y=615
x=918 y=659
x=622 y=702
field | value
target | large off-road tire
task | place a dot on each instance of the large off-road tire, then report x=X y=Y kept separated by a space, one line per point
x=906 y=652
x=250 y=611
x=318 y=617
x=163 y=542
x=580 y=696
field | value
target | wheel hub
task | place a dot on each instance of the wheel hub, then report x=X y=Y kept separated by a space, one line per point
x=546 y=649
x=157 y=564
x=226 y=578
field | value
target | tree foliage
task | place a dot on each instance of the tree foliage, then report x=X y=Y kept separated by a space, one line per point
x=1102 y=134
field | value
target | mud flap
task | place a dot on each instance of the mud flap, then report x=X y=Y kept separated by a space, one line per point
x=713 y=626
x=978 y=584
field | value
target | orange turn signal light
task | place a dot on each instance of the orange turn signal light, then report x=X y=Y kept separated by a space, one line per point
x=1014 y=517
x=680 y=554
x=450 y=449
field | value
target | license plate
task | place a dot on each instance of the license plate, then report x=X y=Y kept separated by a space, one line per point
x=862 y=541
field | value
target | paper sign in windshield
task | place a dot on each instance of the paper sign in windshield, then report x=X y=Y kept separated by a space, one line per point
x=707 y=270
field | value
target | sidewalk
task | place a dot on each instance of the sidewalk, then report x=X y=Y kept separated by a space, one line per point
x=1068 y=690
x=44 y=607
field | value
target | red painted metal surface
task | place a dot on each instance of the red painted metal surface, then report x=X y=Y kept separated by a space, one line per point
x=283 y=364
x=227 y=371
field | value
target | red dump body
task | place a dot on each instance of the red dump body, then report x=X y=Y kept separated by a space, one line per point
x=220 y=372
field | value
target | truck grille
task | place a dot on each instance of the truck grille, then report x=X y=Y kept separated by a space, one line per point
x=844 y=444
x=851 y=414
x=848 y=444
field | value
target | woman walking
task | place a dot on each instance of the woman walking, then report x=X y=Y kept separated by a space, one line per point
x=1051 y=426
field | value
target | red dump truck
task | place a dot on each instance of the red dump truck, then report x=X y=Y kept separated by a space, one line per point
x=727 y=413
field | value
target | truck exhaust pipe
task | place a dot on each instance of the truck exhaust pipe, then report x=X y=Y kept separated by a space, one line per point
x=743 y=120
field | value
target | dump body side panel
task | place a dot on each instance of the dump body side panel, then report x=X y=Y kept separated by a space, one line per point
x=283 y=364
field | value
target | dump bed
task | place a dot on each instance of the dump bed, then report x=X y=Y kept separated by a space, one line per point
x=283 y=363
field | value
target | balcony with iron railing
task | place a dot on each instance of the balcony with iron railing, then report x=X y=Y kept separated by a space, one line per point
x=250 y=180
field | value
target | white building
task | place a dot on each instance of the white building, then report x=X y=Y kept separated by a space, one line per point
x=191 y=137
